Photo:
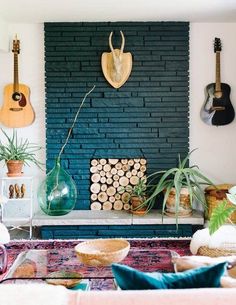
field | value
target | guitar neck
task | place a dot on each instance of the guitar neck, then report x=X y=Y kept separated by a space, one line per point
x=218 y=79
x=16 y=74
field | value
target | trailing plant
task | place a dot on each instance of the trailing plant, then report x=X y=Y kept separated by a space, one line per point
x=140 y=189
x=19 y=149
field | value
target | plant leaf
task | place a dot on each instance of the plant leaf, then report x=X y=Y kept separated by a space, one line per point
x=219 y=216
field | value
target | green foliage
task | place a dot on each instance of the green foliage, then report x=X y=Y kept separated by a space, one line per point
x=139 y=189
x=178 y=177
x=219 y=216
x=18 y=149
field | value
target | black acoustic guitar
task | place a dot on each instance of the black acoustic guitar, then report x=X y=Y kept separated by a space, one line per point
x=217 y=109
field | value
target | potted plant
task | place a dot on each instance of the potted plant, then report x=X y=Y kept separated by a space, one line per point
x=17 y=152
x=180 y=185
x=138 y=197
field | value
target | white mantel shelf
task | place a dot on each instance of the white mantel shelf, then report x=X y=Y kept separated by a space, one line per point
x=88 y=217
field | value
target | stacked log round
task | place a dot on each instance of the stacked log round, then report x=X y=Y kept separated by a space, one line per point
x=112 y=181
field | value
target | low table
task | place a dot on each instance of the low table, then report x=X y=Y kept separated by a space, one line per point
x=38 y=264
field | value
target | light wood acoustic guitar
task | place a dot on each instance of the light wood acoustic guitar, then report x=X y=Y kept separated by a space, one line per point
x=16 y=110
x=218 y=109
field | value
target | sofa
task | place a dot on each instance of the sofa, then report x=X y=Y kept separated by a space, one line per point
x=43 y=294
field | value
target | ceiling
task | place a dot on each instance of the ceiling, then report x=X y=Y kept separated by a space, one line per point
x=37 y=11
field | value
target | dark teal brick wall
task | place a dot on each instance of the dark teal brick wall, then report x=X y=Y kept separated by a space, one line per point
x=147 y=116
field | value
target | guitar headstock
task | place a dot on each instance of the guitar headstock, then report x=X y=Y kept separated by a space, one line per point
x=217 y=45
x=16 y=46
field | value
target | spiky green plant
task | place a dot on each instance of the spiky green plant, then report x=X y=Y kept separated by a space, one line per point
x=178 y=177
x=19 y=149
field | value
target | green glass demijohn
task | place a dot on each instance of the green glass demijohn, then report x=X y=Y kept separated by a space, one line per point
x=57 y=193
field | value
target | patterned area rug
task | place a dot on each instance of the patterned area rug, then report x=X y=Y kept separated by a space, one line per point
x=145 y=254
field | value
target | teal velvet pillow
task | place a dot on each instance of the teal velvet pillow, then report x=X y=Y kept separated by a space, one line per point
x=129 y=278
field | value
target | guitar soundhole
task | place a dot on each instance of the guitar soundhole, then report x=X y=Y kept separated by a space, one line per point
x=16 y=96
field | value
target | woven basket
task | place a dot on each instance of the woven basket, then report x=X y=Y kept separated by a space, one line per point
x=214 y=196
x=216 y=252
x=102 y=252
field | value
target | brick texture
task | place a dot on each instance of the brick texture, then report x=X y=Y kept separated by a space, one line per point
x=147 y=116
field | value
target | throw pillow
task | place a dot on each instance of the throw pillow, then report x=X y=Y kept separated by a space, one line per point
x=129 y=278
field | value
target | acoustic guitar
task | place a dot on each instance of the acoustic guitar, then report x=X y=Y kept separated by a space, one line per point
x=16 y=110
x=217 y=109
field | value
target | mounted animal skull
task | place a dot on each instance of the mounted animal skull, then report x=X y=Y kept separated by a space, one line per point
x=116 y=65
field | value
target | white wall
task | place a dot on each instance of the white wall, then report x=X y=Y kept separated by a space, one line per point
x=31 y=73
x=216 y=153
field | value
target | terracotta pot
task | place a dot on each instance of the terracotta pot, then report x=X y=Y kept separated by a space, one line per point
x=14 y=168
x=135 y=203
x=185 y=208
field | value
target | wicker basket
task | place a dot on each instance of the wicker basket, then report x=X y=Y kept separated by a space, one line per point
x=102 y=252
x=216 y=252
x=214 y=196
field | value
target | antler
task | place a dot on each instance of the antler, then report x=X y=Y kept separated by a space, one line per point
x=110 y=43
x=123 y=42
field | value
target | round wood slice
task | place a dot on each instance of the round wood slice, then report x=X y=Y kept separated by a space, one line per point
x=116 y=177
x=99 y=167
x=136 y=160
x=134 y=180
x=112 y=199
x=109 y=181
x=113 y=161
x=143 y=168
x=95 y=188
x=126 y=206
x=103 y=161
x=134 y=172
x=143 y=161
x=128 y=174
x=95 y=177
x=124 y=181
x=116 y=184
x=102 y=173
x=117 y=196
x=103 y=187
x=125 y=197
x=125 y=167
x=94 y=162
x=111 y=191
x=129 y=188
x=118 y=166
x=131 y=162
x=140 y=174
x=124 y=161
x=120 y=189
x=114 y=171
x=107 y=168
x=137 y=166
x=94 y=197
x=93 y=169
x=109 y=174
x=120 y=172
x=96 y=206
x=107 y=206
x=118 y=205
x=102 y=197
x=103 y=180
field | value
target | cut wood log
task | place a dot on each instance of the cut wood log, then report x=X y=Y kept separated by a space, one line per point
x=118 y=205
x=143 y=168
x=136 y=160
x=124 y=181
x=94 y=162
x=134 y=180
x=128 y=174
x=95 y=177
x=103 y=180
x=120 y=173
x=103 y=187
x=125 y=197
x=125 y=167
x=109 y=181
x=109 y=174
x=116 y=177
x=107 y=168
x=137 y=166
x=117 y=196
x=143 y=161
x=102 y=197
x=94 y=197
x=107 y=206
x=126 y=206
x=129 y=189
x=96 y=206
x=103 y=161
x=118 y=165
x=116 y=184
x=102 y=173
x=111 y=191
x=95 y=188
x=124 y=161
x=93 y=169
x=131 y=162
x=140 y=174
x=112 y=199
x=134 y=172
x=114 y=171
x=120 y=189
x=99 y=167
x=113 y=161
